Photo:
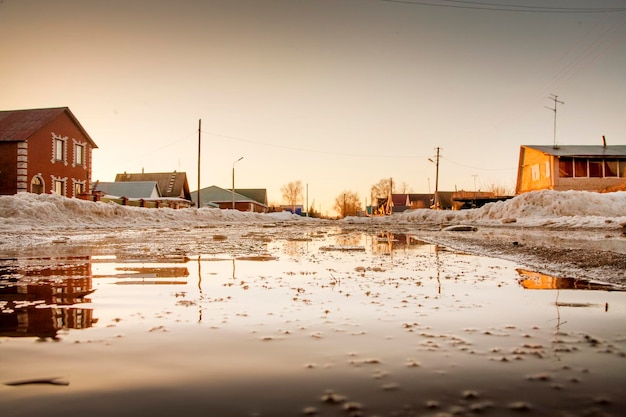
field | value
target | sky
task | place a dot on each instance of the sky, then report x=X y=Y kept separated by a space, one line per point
x=337 y=94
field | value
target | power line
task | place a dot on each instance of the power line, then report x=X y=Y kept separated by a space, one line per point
x=294 y=148
x=499 y=7
x=474 y=167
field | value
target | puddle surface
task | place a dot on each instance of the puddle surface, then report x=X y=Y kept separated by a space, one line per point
x=302 y=322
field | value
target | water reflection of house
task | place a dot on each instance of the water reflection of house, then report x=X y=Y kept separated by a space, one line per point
x=153 y=272
x=79 y=266
x=532 y=280
x=44 y=322
x=28 y=309
x=386 y=242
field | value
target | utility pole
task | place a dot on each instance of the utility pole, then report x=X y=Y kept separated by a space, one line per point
x=437 y=181
x=436 y=196
x=556 y=101
x=199 y=139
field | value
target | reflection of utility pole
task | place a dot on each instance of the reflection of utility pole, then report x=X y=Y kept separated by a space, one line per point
x=199 y=139
x=199 y=289
x=437 y=265
x=554 y=97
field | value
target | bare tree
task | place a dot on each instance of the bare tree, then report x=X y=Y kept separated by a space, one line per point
x=382 y=189
x=405 y=188
x=499 y=190
x=347 y=204
x=292 y=193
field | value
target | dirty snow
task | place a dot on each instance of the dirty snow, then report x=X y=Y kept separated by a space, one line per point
x=572 y=209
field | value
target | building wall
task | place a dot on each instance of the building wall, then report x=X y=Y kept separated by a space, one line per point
x=588 y=184
x=42 y=163
x=539 y=171
x=8 y=168
x=536 y=171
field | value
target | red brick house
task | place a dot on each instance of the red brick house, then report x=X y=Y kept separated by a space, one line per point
x=44 y=151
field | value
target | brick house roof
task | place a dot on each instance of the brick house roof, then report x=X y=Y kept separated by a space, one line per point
x=19 y=125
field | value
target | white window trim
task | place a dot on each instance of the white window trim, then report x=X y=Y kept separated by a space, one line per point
x=61 y=179
x=84 y=146
x=56 y=137
x=76 y=182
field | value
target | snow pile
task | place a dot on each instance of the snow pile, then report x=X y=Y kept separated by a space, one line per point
x=26 y=211
x=539 y=208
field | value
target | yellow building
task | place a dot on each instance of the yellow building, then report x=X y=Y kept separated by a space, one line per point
x=573 y=167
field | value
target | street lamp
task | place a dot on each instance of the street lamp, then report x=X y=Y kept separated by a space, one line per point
x=233 y=190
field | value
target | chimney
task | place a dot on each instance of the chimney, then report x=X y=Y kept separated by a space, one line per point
x=603 y=141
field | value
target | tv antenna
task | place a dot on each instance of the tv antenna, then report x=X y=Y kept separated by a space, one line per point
x=556 y=102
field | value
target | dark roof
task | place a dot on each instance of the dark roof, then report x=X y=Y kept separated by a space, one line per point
x=130 y=189
x=171 y=184
x=19 y=125
x=581 y=150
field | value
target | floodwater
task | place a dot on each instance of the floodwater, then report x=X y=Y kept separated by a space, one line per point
x=279 y=321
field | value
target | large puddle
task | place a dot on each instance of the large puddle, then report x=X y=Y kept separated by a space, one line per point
x=313 y=322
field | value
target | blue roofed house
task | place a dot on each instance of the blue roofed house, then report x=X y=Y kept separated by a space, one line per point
x=243 y=199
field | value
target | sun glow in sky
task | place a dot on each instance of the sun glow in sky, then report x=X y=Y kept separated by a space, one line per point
x=336 y=94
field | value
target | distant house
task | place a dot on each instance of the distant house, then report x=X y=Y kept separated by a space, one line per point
x=244 y=199
x=575 y=167
x=44 y=151
x=130 y=189
x=137 y=193
x=403 y=202
x=171 y=184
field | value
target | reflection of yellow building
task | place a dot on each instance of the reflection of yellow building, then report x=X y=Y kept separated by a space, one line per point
x=532 y=280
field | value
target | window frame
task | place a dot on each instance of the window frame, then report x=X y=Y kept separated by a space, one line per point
x=59 y=149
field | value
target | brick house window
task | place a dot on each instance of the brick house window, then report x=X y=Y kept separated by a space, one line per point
x=37 y=185
x=79 y=155
x=79 y=188
x=59 y=149
x=59 y=187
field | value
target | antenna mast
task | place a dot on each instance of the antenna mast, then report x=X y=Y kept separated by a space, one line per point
x=556 y=101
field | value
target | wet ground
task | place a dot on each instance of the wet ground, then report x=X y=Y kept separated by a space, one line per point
x=288 y=320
